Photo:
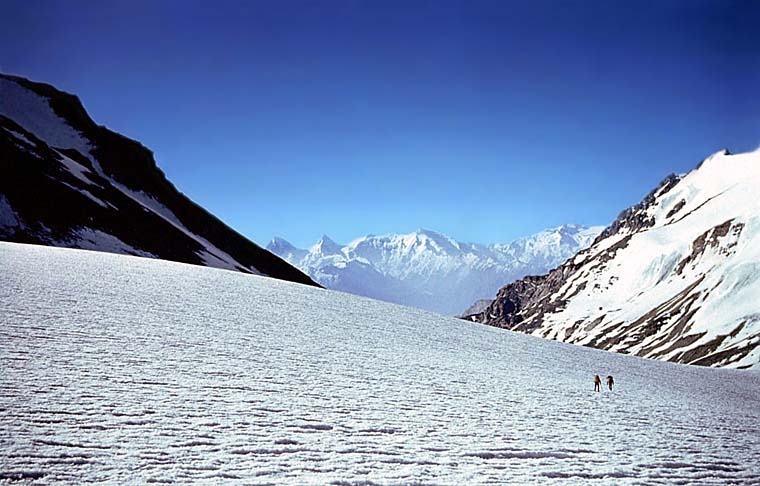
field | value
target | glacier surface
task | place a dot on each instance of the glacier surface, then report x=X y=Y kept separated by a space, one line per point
x=119 y=369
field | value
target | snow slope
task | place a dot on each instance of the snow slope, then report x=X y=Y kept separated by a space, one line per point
x=69 y=182
x=122 y=370
x=430 y=270
x=676 y=277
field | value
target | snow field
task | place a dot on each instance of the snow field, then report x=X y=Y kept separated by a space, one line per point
x=118 y=369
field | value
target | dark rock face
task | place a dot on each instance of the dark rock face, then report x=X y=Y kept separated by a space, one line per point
x=105 y=195
x=709 y=238
x=676 y=208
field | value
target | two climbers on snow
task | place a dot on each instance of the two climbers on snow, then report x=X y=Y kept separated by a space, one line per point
x=598 y=382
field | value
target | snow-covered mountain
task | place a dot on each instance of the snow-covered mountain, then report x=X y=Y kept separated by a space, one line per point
x=65 y=181
x=675 y=277
x=116 y=369
x=430 y=270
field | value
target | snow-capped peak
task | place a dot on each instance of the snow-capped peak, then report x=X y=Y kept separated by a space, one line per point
x=326 y=246
x=429 y=269
x=280 y=243
x=438 y=241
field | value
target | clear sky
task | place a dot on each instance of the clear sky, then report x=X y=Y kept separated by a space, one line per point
x=483 y=120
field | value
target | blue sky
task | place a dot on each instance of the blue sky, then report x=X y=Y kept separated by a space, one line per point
x=483 y=120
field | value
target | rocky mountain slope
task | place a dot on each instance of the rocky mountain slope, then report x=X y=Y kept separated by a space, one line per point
x=430 y=270
x=69 y=182
x=675 y=277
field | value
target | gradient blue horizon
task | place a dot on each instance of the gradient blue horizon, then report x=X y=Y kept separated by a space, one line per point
x=486 y=121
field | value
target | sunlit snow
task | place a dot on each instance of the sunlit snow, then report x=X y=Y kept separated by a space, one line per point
x=127 y=370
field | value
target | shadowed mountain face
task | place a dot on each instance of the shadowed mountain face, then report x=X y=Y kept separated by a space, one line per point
x=675 y=277
x=69 y=182
x=430 y=270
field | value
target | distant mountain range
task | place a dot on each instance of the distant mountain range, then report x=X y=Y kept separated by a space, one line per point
x=675 y=277
x=69 y=182
x=430 y=270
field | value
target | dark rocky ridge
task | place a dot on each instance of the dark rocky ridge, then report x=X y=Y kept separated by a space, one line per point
x=52 y=205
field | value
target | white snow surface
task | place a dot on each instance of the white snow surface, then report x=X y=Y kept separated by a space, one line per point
x=121 y=370
x=430 y=270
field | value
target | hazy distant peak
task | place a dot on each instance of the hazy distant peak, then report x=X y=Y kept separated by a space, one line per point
x=431 y=270
x=326 y=246
x=429 y=232
x=278 y=242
